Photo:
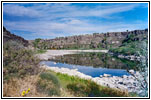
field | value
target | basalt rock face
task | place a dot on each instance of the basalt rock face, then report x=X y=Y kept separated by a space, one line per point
x=96 y=40
x=7 y=36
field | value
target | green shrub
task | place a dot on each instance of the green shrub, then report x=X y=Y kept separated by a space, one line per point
x=18 y=61
x=91 y=89
x=77 y=89
x=127 y=48
x=88 y=89
x=40 y=51
x=35 y=43
x=49 y=84
x=50 y=77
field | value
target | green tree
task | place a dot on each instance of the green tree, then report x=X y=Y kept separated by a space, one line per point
x=36 y=42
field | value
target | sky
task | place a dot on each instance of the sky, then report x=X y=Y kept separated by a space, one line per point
x=51 y=20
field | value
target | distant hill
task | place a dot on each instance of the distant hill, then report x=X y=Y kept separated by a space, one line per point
x=92 y=41
x=7 y=37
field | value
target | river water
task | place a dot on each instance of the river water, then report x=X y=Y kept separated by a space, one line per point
x=93 y=64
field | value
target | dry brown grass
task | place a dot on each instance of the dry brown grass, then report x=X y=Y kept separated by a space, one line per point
x=15 y=86
x=66 y=93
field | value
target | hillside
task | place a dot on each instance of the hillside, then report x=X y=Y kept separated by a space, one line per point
x=7 y=37
x=91 y=41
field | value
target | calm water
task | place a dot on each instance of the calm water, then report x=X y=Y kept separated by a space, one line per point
x=93 y=64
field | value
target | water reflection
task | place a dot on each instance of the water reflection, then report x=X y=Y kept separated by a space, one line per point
x=94 y=72
x=96 y=60
x=93 y=64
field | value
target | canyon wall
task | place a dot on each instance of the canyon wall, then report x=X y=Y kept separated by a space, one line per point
x=92 y=41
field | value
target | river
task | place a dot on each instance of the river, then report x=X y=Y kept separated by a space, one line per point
x=92 y=63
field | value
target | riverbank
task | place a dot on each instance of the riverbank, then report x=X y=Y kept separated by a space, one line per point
x=52 y=53
x=124 y=83
x=78 y=87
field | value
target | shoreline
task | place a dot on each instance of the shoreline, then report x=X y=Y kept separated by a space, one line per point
x=53 y=53
x=124 y=83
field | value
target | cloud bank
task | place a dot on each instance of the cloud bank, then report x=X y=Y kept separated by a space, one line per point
x=50 y=20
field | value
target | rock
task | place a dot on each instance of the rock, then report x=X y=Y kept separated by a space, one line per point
x=131 y=80
x=113 y=59
x=75 y=69
x=122 y=87
x=120 y=82
x=131 y=71
x=120 y=56
x=132 y=57
x=137 y=73
x=124 y=76
x=101 y=76
x=112 y=86
x=135 y=84
x=114 y=77
x=131 y=77
x=106 y=75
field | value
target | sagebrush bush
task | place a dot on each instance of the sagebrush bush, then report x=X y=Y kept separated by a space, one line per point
x=49 y=84
x=18 y=61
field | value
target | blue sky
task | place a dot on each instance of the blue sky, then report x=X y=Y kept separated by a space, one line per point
x=50 y=20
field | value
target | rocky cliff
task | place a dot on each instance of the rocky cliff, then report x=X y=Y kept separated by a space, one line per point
x=7 y=36
x=92 y=41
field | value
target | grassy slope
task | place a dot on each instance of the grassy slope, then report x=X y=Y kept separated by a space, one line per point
x=75 y=86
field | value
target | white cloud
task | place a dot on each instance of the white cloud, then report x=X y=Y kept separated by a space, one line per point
x=65 y=19
x=74 y=27
x=17 y=10
x=65 y=10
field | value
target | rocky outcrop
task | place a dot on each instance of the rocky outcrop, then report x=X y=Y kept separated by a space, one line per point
x=96 y=40
x=7 y=36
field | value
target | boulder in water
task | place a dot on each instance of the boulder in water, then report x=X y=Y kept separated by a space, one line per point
x=106 y=75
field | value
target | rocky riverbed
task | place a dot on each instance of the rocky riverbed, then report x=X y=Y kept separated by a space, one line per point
x=125 y=83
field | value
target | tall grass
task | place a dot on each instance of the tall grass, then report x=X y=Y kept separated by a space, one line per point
x=87 y=88
x=49 y=84
x=14 y=87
